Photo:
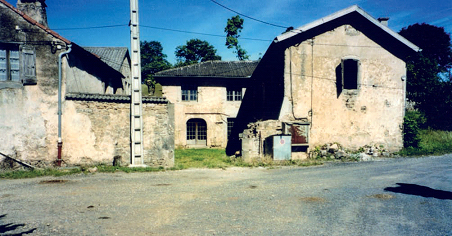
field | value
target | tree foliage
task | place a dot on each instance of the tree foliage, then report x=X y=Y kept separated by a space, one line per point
x=195 y=51
x=233 y=28
x=434 y=41
x=153 y=60
x=428 y=72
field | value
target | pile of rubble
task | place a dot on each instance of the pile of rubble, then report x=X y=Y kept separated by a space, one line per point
x=336 y=151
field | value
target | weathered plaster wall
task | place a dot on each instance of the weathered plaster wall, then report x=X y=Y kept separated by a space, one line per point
x=28 y=113
x=372 y=114
x=211 y=106
x=96 y=132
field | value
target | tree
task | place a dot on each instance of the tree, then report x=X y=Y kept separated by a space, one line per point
x=153 y=60
x=233 y=27
x=434 y=41
x=427 y=86
x=195 y=51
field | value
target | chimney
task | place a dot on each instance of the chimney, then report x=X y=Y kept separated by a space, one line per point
x=384 y=20
x=35 y=9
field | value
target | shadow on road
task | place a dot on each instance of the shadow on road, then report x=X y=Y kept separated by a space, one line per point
x=9 y=229
x=418 y=190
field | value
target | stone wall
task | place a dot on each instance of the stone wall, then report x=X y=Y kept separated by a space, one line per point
x=98 y=131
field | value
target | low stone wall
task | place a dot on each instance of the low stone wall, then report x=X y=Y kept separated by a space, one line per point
x=96 y=129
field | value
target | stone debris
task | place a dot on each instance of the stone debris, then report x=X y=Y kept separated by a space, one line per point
x=92 y=170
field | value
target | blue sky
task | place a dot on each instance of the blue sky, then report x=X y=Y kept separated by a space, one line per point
x=204 y=16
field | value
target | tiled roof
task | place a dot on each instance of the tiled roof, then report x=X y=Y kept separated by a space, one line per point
x=112 y=56
x=30 y=20
x=229 y=69
x=111 y=98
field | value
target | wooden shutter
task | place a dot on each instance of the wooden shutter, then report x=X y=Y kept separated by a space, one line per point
x=28 y=65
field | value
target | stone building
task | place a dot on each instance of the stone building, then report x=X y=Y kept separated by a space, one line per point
x=206 y=98
x=87 y=121
x=340 y=79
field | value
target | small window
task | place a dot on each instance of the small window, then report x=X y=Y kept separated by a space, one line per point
x=350 y=73
x=189 y=93
x=18 y=64
x=230 y=125
x=9 y=64
x=234 y=94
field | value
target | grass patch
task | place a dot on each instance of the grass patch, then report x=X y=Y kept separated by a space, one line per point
x=217 y=158
x=112 y=169
x=184 y=159
x=23 y=174
x=201 y=158
x=432 y=142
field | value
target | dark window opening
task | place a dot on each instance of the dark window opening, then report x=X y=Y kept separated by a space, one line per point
x=230 y=125
x=350 y=73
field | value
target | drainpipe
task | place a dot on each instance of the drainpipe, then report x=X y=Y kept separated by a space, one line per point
x=60 y=140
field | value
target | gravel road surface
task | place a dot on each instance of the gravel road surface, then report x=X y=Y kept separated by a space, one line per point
x=388 y=197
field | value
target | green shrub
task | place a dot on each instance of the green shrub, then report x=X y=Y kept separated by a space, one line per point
x=411 y=123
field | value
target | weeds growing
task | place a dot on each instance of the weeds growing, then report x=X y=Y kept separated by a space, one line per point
x=432 y=142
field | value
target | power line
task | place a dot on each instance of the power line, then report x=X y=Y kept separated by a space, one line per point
x=91 y=27
x=249 y=17
x=206 y=34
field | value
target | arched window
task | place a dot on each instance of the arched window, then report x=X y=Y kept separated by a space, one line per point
x=196 y=132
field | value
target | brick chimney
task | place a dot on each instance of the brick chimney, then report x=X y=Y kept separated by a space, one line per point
x=35 y=9
x=384 y=20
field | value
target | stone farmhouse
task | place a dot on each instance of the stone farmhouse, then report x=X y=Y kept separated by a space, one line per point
x=64 y=104
x=206 y=98
x=340 y=79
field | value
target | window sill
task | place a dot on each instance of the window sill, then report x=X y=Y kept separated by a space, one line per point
x=351 y=91
x=9 y=84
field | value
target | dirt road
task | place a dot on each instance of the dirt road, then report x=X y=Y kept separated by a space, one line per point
x=335 y=199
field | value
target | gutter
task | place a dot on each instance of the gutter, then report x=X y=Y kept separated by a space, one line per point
x=60 y=140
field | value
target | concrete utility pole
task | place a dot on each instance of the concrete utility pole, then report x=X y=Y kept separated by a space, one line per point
x=136 y=113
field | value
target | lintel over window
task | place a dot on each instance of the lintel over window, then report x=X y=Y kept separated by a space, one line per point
x=350 y=73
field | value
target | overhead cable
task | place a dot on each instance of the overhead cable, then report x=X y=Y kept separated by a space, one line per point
x=249 y=17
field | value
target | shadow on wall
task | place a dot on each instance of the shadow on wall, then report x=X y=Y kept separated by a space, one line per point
x=11 y=229
x=418 y=190
x=263 y=97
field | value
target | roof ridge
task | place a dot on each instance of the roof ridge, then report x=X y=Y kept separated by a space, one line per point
x=34 y=22
x=341 y=13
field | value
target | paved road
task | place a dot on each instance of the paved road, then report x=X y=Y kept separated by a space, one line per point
x=390 y=197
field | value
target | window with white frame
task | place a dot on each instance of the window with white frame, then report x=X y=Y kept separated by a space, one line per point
x=189 y=93
x=234 y=94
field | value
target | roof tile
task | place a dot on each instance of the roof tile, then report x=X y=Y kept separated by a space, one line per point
x=111 y=98
x=233 y=69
